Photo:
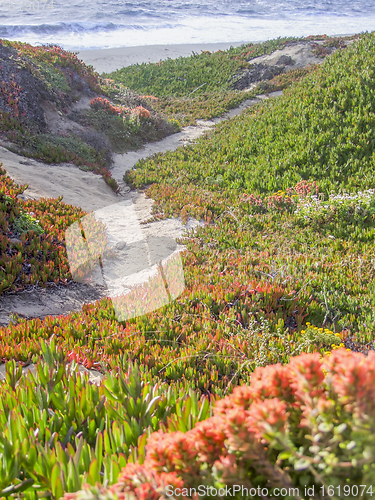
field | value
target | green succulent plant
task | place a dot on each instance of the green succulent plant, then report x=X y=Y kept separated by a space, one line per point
x=26 y=222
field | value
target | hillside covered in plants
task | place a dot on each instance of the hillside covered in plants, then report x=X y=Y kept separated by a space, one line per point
x=39 y=117
x=261 y=373
x=206 y=85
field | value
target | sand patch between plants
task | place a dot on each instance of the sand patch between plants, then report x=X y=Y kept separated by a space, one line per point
x=292 y=56
x=301 y=54
x=52 y=301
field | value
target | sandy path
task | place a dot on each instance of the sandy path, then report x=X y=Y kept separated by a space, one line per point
x=79 y=188
x=90 y=192
x=51 y=301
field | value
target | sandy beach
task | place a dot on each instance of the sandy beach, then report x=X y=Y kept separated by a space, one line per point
x=107 y=60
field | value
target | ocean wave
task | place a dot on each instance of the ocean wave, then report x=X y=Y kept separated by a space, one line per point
x=116 y=24
x=7 y=31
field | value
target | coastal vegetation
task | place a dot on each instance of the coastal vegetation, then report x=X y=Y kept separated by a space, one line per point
x=261 y=373
x=268 y=439
x=32 y=238
x=85 y=136
x=127 y=125
x=320 y=129
x=202 y=86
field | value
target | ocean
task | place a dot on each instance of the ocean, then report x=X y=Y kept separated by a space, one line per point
x=78 y=24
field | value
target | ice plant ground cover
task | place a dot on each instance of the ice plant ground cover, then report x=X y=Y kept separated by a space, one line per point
x=303 y=426
x=32 y=238
x=202 y=86
x=272 y=287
